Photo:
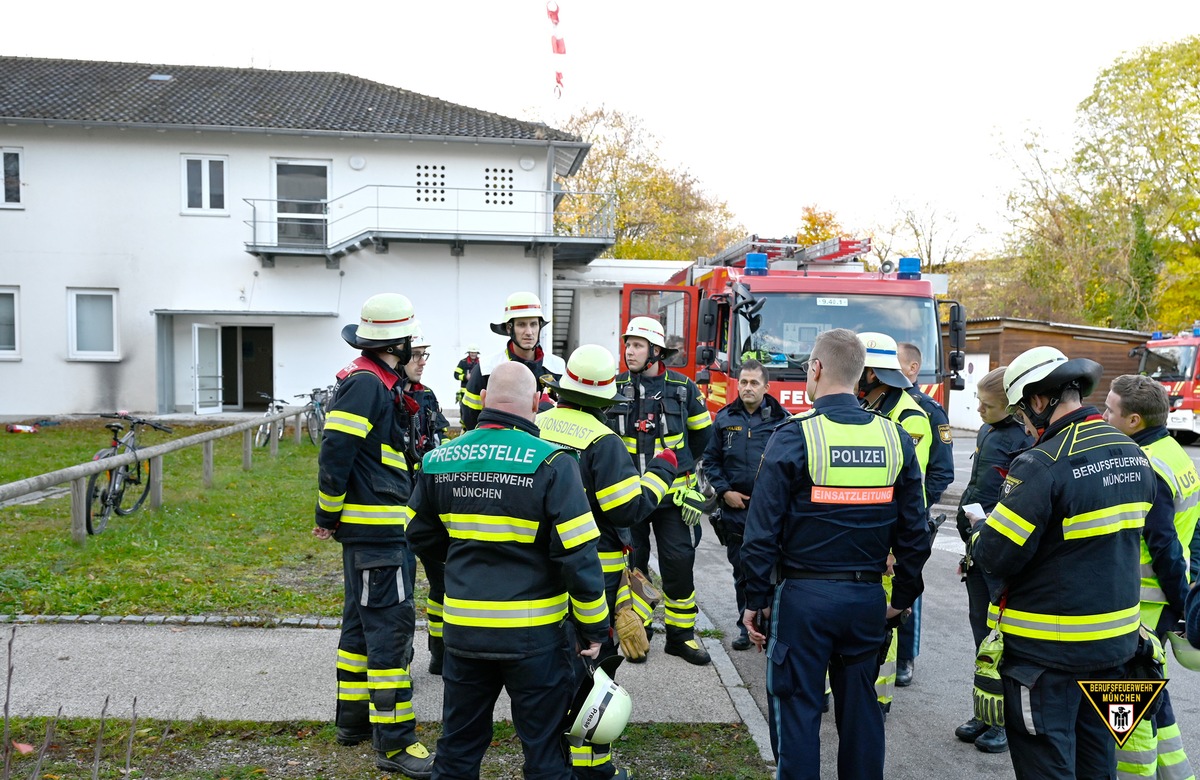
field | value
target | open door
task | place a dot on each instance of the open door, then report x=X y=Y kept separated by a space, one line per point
x=675 y=307
x=206 y=369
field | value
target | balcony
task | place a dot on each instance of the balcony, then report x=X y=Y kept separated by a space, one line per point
x=577 y=225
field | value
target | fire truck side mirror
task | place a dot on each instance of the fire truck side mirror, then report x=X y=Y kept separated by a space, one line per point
x=706 y=324
x=958 y=383
x=703 y=378
x=958 y=361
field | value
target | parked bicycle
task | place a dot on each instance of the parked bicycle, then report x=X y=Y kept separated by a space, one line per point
x=274 y=406
x=107 y=490
x=314 y=413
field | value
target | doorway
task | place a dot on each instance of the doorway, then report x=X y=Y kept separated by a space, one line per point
x=247 y=360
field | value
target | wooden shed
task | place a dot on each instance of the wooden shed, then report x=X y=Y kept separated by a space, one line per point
x=995 y=341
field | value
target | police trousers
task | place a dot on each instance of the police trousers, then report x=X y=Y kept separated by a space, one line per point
x=818 y=625
x=676 y=558
x=540 y=688
x=375 y=648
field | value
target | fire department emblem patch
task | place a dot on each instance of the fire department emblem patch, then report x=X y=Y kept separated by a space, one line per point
x=1009 y=484
x=944 y=434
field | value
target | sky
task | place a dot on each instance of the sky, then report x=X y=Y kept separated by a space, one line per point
x=860 y=108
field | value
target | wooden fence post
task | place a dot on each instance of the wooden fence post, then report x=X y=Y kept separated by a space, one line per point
x=208 y=463
x=247 y=448
x=276 y=432
x=297 y=418
x=79 y=510
x=156 y=480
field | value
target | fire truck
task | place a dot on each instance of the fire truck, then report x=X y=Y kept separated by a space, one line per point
x=1172 y=360
x=768 y=299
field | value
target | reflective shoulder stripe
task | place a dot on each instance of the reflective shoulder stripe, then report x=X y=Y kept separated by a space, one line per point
x=490 y=528
x=1011 y=525
x=1108 y=520
x=345 y=422
x=578 y=530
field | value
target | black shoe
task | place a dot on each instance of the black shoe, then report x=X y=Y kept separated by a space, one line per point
x=994 y=740
x=828 y=700
x=413 y=761
x=351 y=737
x=689 y=651
x=437 y=653
x=904 y=674
x=971 y=730
x=743 y=641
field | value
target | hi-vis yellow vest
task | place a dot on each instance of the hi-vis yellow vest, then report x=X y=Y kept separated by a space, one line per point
x=1175 y=467
x=574 y=428
x=852 y=464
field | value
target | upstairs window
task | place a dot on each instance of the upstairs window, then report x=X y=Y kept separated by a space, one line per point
x=204 y=184
x=10 y=163
x=92 y=330
x=10 y=336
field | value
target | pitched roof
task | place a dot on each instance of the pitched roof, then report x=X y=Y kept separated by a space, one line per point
x=126 y=93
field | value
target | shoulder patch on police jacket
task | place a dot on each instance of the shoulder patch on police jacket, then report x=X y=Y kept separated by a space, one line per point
x=944 y=434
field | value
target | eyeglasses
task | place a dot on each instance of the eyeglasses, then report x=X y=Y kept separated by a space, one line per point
x=421 y=354
x=807 y=365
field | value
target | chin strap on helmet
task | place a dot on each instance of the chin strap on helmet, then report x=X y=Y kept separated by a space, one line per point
x=865 y=388
x=403 y=351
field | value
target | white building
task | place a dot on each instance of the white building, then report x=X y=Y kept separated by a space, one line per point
x=184 y=238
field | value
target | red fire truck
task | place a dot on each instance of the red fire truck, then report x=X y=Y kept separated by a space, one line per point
x=769 y=299
x=1172 y=360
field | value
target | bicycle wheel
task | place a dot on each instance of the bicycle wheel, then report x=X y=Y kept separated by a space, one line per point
x=136 y=485
x=99 y=507
x=315 y=422
x=263 y=436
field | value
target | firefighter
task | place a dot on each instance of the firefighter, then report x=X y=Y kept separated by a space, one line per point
x=881 y=389
x=938 y=476
x=431 y=427
x=618 y=497
x=462 y=372
x=1000 y=439
x=523 y=323
x=1060 y=554
x=837 y=488
x=1137 y=406
x=664 y=410
x=741 y=430
x=506 y=514
x=365 y=464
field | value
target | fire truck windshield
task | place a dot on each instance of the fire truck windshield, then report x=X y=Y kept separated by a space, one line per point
x=1172 y=364
x=788 y=325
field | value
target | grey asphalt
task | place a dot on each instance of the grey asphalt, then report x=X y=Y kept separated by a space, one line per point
x=283 y=673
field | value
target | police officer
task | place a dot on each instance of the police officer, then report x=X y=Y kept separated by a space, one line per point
x=938 y=475
x=1000 y=439
x=462 y=372
x=431 y=426
x=1060 y=554
x=838 y=487
x=506 y=514
x=364 y=481
x=617 y=494
x=523 y=323
x=882 y=389
x=1137 y=406
x=731 y=465
x=664 y=410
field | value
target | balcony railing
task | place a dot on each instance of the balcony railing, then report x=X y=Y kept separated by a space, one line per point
x=321 y=227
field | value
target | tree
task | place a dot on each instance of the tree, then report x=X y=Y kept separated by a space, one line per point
x=817 y=226
x=660 y=213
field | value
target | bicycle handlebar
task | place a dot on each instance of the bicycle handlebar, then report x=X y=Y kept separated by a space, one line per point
x=137 y=421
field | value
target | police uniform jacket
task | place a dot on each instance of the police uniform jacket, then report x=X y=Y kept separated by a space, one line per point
x=995 y=447
x=940 y=472
x=1165 y=573
x=1061 y=549
x=801 y=523
x=662 y=412
x=363 y=477
x=507 y=515
x=617 y=494
x=544 y=365
x=736 y=447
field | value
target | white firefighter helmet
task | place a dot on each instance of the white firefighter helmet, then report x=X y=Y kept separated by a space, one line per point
x=647 y=328
x=1046 y=369
x=419 y=339
x=601 y=708
x=518 y=305
x=472 y=348
x=1186 y=654
x=590 y=378
x=883 y=358
x=386 y=319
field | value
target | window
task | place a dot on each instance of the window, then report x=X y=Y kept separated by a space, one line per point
x=10 y=163
x=204 y=184
x=9 y=334
x=92 y=325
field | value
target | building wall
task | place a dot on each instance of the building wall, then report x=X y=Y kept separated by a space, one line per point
x=102 y=209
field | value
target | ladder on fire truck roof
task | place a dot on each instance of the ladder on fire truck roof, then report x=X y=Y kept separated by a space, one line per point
x=834 y=250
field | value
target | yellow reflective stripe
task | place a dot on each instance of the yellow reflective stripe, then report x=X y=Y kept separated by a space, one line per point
x=380 y=679
x=1010 y=524
x=402 y=713
x=656 y=485
x=367 y=514
x=352 y=690
x=351 y=662
x=630 y=444
x=642 y=607
x=683 y=481
x=505 y=614
x=688 y=602
x=1067 y=628
x=1109 y=520
x=594 y=611
x=590 y=755
x=612 y=561
x=490 y=528
x=699 y=421
x=353 y=424
x=578 y=530
x=472 y=401
x=680 y=613
x=329 y=503
x=674 y=441
x=619 y=493
x=390 y=456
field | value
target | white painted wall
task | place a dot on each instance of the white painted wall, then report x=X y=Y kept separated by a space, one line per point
x=964 y=406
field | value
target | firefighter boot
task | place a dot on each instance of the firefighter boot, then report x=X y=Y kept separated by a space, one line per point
x=437 y=653
x=994 y=740
x=971 y=730
x=743 y=640
x=904 y=673
x=689 y=650
x=413 y=761
x=351 y=737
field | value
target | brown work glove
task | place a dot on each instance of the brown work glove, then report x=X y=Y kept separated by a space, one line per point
x=632 y=633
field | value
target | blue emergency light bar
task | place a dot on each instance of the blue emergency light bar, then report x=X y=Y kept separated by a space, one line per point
x=910 y=268
x=1156 y=335
x=756 y=264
